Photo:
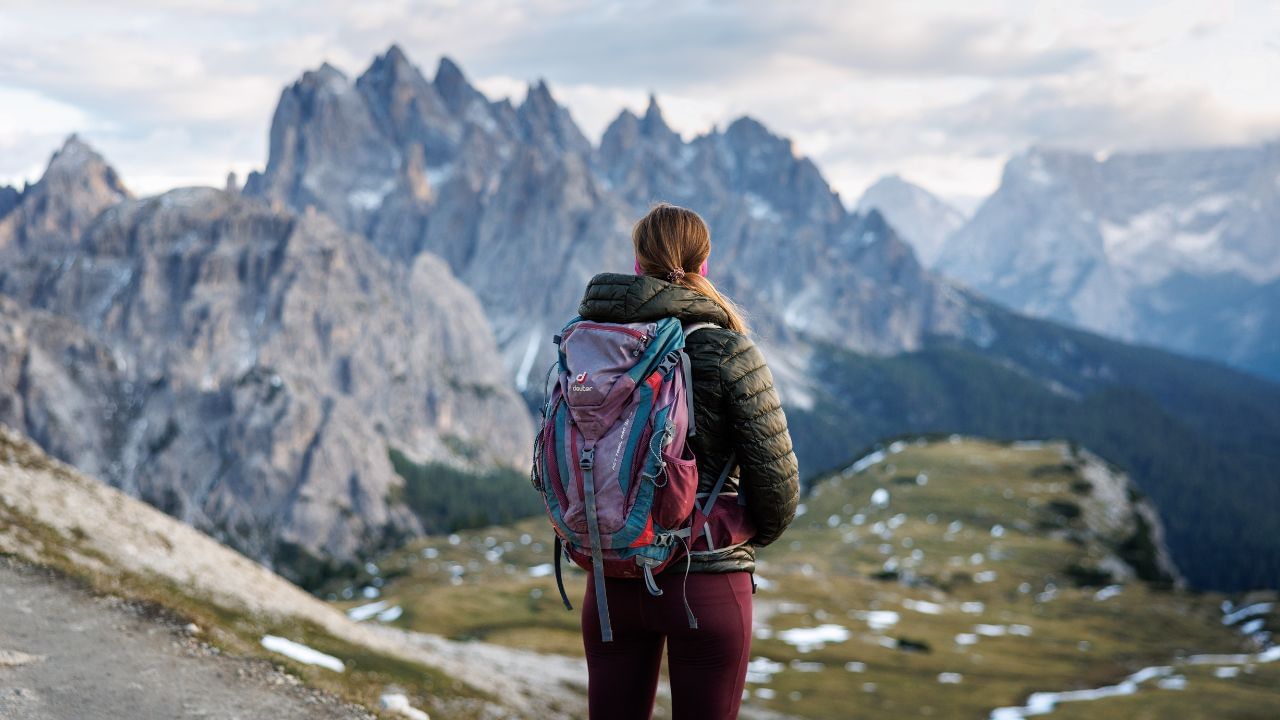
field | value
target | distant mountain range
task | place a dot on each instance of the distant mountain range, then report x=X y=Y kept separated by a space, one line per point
x=397 y=270
x=1179 y=249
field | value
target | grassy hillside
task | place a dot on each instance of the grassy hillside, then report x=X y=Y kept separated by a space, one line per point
x=1202 y=440
x=948 y=579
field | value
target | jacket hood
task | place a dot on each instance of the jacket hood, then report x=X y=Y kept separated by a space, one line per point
x=617 y=297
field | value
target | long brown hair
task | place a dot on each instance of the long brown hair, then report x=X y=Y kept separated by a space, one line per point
x=672 y=242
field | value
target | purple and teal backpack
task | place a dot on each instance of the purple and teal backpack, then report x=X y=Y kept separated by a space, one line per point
x=612 y=461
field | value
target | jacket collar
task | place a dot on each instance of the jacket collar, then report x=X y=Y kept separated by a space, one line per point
x=617 y=297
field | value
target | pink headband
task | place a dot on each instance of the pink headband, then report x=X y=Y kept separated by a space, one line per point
x=677 y=274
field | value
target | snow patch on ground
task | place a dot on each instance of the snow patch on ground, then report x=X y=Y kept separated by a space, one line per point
x=865 y=462
x=364 y=612
x=815 y=638
x=761 y=670
x=879 y=620
x=922 y=606
x=302 y=653
x=1244 y=613
x=1107 y=593
x=1043 y=703
x=399 y=704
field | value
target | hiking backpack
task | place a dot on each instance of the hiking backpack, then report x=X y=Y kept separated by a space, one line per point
x=613 y=464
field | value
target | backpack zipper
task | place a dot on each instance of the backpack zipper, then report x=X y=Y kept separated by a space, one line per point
x=614 y=328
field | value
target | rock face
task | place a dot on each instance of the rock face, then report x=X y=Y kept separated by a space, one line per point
x=525 y=210
x=58 y=384
x=77 y=185
x=246 y=369
x=1117 y=514
x=923 y=219
x=505 y=195
x=1176 y=249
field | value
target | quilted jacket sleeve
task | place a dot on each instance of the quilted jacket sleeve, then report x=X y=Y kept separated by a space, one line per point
x=769 y=472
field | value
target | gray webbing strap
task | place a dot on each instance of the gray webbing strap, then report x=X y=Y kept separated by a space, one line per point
x=564 y=596
x=586 y=460
x=686 y=367
x=687 y=371
x=715 y=491
x=684 y=585
x=650 y=584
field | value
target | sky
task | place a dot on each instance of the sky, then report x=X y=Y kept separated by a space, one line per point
x=943 y=93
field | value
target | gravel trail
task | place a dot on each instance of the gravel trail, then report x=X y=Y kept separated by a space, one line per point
x=66 y=654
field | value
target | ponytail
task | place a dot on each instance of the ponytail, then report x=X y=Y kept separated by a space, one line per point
x=698 y=283
x=674 y=243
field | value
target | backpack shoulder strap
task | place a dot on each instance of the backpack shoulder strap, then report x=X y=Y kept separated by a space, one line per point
x=693 y=327
x=687 y=370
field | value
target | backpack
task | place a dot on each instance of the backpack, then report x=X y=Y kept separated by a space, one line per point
x=612 y=461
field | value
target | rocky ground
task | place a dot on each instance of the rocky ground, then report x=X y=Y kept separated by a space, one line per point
x=77 y=642
x=67 y=653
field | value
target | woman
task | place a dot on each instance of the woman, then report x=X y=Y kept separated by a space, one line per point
x=736 y=411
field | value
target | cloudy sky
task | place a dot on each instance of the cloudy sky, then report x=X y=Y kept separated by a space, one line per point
x=181 y=91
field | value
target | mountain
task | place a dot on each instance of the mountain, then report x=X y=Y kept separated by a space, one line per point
x=863 y=340
x=1176 y=249
x=76 y=186
x=110 y=555
x=923 y=219
x=432 y=165
x=946 y=576
x=244 y=368
x=490 y=187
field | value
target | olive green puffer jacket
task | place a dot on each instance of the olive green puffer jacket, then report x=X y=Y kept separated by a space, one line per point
x=736 y=408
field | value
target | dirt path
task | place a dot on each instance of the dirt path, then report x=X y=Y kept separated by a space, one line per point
x=68 y=655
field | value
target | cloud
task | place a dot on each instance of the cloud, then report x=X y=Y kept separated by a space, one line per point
x=942 y=92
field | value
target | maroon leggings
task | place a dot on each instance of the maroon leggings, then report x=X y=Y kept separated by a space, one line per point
x=708 y=665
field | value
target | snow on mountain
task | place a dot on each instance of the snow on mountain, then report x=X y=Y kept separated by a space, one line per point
x=1178 y=249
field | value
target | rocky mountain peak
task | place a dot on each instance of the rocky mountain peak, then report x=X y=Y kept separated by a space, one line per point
x=407 y=107
x=77 y=185
x=78 y=163
x=396 y=66
x=654 y=124
x=548 y=125
x=747 y=131
x=454 y=88
x=324 y=78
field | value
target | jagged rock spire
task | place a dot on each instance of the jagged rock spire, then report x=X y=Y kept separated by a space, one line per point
x=77 y=185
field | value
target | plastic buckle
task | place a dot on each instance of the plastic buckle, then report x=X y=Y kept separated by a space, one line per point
x=587 y=458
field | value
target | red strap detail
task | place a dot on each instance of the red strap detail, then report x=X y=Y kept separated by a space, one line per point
x=654 y=381
x=646 y=537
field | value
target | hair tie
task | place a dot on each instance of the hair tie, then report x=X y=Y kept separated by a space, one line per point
x=675 y=275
